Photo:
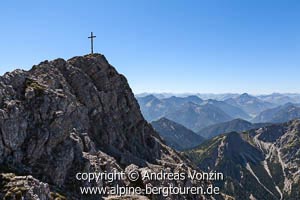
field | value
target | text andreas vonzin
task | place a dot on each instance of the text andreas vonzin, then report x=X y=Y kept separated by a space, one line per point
x=191 y=174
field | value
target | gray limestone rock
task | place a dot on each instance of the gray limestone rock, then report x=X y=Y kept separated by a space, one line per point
x=64 y=117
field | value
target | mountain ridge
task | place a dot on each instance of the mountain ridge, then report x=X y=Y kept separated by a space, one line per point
x=195 y=117
x=249 y=104
x=261 y=163
x=176 y=136
x=235 y=125
x=279 y=114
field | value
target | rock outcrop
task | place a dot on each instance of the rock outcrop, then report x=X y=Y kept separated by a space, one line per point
x=64 y=117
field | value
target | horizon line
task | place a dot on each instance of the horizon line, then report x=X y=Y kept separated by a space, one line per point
x=212 y=93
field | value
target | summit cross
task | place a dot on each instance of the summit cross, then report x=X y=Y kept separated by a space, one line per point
x=92 y=42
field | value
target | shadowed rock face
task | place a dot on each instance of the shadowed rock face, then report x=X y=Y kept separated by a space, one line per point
x=59 y=102
x=64 y=117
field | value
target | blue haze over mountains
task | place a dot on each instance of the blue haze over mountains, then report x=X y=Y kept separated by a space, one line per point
x=200 y=111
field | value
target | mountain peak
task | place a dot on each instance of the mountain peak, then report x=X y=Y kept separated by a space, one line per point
x=164 y=119
x=176 y=135
x=149 y=97
x=79 y=115
x=194 y=97
x=240 y=120
x=245 y=96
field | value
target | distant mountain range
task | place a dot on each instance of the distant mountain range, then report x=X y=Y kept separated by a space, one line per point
x=154 y=108
x=176 y=135
x=279 y=114
x=191 y=111
x=237 y=125
x=280 y=99
x=204 y=96
x=274 y=98
x=249 y=104
x=196 y=117
x=232 y=111
x=196 y=113
x=258 y=164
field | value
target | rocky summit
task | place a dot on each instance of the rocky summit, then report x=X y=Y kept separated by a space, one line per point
x=80 y=115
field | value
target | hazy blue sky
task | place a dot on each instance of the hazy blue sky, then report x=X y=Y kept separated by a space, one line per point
x=164 y=46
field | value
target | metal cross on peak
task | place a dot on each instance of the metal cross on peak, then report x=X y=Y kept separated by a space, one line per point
x=92 y=42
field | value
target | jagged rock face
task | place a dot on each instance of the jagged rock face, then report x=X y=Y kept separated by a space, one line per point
x=16 y=187
x=261 y=163
x=63 y=117
x=48 y=107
